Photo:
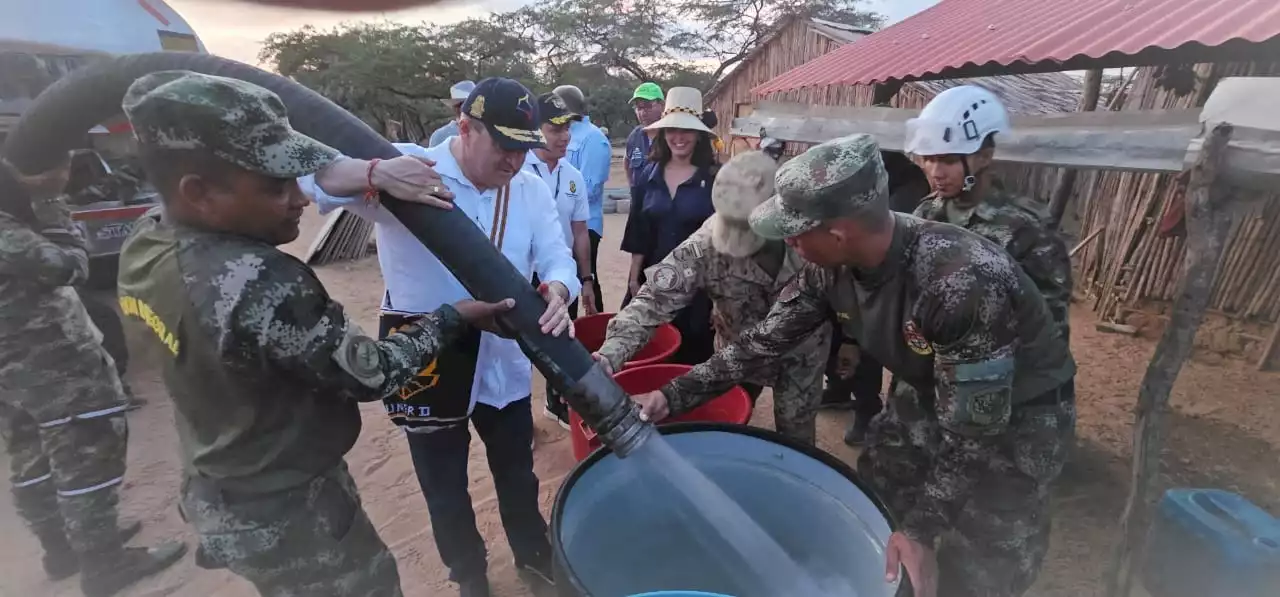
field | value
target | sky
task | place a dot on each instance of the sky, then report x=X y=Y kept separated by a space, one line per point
x=235 y=30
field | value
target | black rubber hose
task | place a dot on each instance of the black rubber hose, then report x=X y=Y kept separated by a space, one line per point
x=62 y=113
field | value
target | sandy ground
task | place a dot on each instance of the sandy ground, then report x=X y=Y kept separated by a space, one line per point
x=1225 y=432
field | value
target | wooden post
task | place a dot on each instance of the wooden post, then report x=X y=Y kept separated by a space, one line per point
x=1270 y=347
x=1210 y=216
x=1067 y=179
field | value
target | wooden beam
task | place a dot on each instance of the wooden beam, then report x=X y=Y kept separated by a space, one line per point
x=1067 y=178
x=1210 y=216
x=1152 y=141
x=1163 y=141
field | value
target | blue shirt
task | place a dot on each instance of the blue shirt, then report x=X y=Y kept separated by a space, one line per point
x=590 y=152
x=638 y=144
x=659 y=222
x=443 y=133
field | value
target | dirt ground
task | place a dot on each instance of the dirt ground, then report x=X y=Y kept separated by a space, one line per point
x=1225 y=432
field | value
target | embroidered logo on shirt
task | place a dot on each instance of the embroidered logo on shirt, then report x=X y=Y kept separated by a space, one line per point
x=573 y=187
x=915 y=340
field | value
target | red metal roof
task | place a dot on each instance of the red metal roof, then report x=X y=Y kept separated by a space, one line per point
x=958 y=38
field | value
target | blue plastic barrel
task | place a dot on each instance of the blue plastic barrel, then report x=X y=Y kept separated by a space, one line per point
x=1207 y=542
x=616 y=532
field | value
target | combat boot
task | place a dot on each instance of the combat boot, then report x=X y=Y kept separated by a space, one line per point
x=60 y=560
x=104 y=575
x=856 y=435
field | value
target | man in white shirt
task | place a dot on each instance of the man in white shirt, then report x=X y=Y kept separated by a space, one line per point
x=484 y=378
x=570 y=195
x=589 y=151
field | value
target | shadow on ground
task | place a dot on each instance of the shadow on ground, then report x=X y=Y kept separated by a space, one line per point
x=1090 y=495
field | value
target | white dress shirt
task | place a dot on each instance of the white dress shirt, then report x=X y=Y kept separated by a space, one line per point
x=568 y=190
x=416 y=281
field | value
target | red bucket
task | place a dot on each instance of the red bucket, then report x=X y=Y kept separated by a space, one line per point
x=733 y=406
x=591 y=331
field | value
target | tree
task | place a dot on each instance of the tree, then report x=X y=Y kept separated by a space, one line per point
x=727 y=30
x=386 y=71
x=614 y=34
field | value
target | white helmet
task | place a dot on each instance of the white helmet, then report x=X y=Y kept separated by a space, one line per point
x=956 y=121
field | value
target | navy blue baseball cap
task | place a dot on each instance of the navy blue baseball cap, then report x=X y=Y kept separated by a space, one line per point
x=553 y=109
x=509 y=111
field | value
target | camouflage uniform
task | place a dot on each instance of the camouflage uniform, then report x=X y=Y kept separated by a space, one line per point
x=741 y=290
x=265 y=370
x=741 y=273
x=1014 y=224
x=983 y=409
x=61 y=403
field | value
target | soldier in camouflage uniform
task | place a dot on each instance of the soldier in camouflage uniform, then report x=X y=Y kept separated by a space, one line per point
x=62 y=408
x=742 y=273
x=984 y=409
x=265 y=370
x=954 y=138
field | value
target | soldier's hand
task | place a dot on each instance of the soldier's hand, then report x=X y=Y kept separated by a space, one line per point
x=412 y=179
x=483 y=316
x=555 y=320
x=920 y=561
x=634 y=286
x=653 y=406
x=604 y=363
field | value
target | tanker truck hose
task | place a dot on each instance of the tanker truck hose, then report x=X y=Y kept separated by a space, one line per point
x=61 y=115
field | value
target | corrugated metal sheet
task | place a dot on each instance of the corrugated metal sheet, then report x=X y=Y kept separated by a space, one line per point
x=968 y=33
x=344 y=237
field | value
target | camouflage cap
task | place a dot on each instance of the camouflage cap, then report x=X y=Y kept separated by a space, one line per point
x=831 y=180
x=240 y=122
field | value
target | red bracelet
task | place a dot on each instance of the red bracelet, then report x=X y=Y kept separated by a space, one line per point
x=371 y=192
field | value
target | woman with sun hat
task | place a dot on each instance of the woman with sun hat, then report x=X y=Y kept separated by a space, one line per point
x=670 y=199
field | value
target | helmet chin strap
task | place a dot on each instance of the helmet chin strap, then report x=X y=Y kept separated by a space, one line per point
x=970 y=178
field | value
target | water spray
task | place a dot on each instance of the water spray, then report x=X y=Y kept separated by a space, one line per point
x=61 y=115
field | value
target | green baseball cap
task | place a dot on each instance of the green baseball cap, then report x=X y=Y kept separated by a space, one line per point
x=236 y=121
x=647 y=91
x=830 y=181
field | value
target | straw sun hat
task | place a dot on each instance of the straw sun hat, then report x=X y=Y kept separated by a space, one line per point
x=683 y=111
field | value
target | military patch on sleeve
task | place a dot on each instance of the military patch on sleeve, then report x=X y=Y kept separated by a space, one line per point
x=358 y=355
x=666 y=277
x=915 y=340
x=573 y=187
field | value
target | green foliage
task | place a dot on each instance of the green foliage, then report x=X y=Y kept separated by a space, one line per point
x=387 y=71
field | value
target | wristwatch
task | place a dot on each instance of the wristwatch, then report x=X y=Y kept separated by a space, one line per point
x=587 y=278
